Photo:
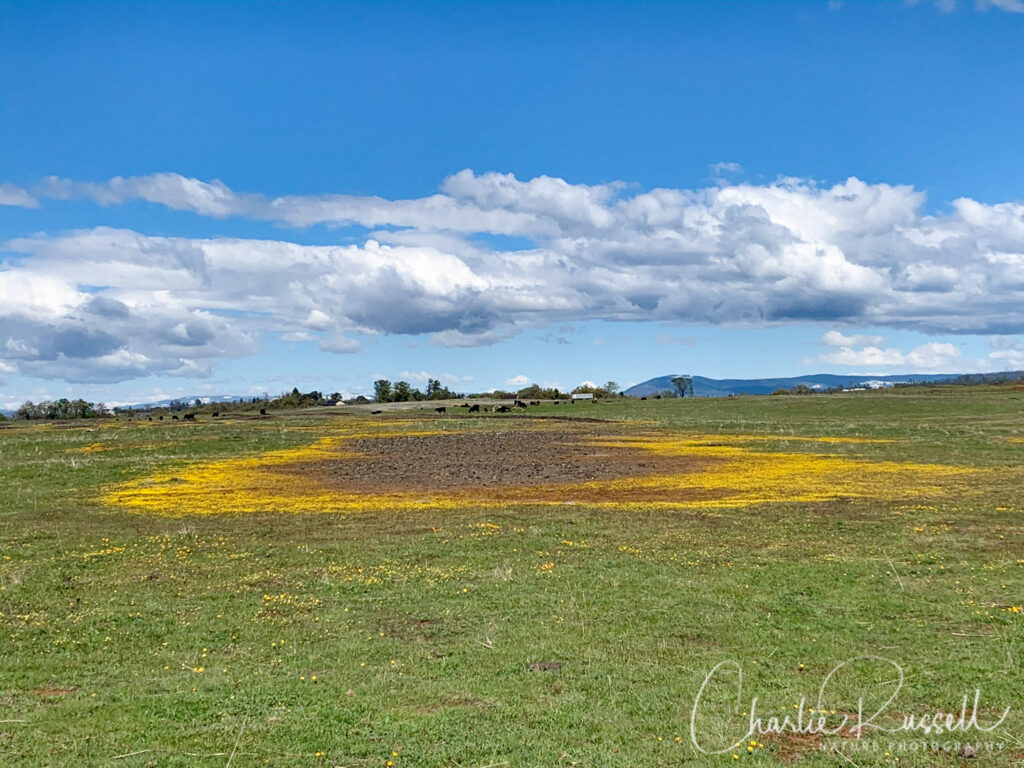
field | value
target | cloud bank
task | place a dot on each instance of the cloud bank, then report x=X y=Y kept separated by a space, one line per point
x=107 y=304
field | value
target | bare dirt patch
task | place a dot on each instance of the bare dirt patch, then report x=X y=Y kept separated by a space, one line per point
x=501 y=459
x=45 y=691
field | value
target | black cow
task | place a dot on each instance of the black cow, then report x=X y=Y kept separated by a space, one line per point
x=160 y=417
x=374 y=413
x=475 y=408
x=190 y=417
x=502 y=409
x=441 y=409
x=519 y=404
x=173 y=416
x=216 y=414
x=535 y=402
x=263 y=411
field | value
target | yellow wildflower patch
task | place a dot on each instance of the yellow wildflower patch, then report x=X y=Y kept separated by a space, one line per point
x=738 y=476
x=716 y=471
x=391 y=572
x=92 y=448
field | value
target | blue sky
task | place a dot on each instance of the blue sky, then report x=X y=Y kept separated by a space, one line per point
x=234 y=198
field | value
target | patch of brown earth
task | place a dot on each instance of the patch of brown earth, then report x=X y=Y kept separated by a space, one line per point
x=49 y=690
x=494 y=460
x=792 y=747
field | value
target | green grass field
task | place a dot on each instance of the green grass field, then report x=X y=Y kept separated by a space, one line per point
x=517 y=635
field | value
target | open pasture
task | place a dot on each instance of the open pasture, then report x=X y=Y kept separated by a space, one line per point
x=546 y=588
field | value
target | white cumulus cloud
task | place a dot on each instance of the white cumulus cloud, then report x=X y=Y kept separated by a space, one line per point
x=12 y=194
x=114 y=303
x=837 y=339
x=931 y=357
x=1013 y=6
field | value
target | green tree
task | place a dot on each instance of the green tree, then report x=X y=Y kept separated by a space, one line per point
x=437 y=391
x=60 y=409
x=402 y=392
x=80 y=409
x=27 y=411
x=382 y=391
x=611 y=389
x=683 y=385
x=537 y=392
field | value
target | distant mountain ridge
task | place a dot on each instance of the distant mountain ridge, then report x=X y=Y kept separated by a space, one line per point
x=705 y=387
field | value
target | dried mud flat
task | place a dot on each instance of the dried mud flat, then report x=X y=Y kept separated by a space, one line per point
x=482 y=459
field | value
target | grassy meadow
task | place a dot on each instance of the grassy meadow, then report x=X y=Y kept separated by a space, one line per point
x=167 y=597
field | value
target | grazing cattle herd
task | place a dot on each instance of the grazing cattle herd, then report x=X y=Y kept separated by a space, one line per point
x=441 y=410
x=501 y=408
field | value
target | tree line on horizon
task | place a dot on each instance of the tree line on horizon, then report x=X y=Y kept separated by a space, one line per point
x=402 y=391
x=384 y=391
x=62 y=408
